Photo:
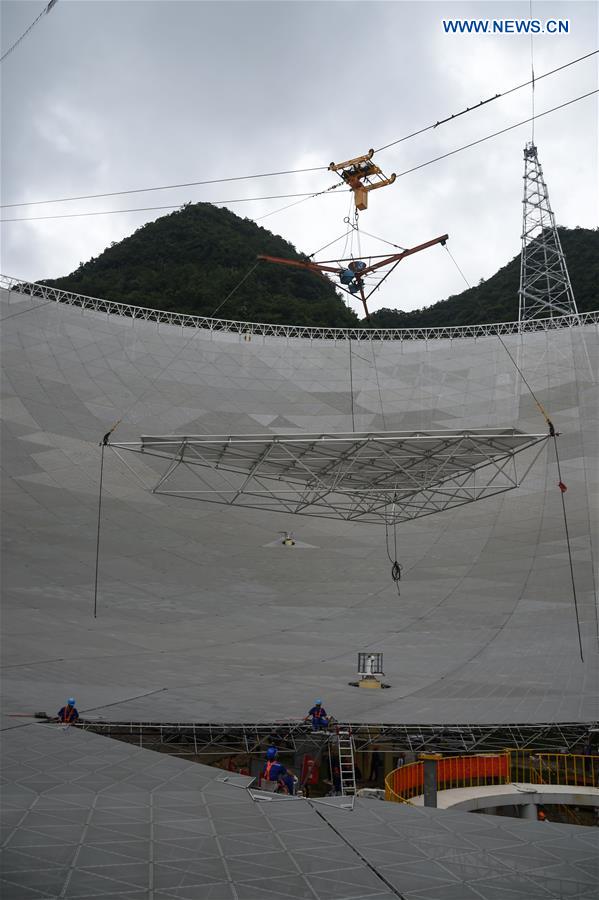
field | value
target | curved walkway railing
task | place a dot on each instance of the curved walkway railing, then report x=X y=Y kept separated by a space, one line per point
x=576 y=770
x=247 y=329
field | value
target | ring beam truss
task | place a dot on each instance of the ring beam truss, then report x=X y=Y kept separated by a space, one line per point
x=373 y=477
x=248 y=330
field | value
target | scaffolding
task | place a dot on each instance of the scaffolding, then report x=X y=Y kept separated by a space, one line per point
x=211 y=740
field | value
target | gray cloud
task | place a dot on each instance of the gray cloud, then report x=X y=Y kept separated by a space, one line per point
x=109 y=95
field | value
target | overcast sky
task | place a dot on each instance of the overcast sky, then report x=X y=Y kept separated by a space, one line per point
x=107 y=96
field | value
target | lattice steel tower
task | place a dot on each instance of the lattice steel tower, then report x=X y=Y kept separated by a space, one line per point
x=545 y=289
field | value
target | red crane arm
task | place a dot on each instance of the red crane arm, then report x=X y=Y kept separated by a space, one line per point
x=397 y=257
x=359 y=275
x=300 y=264
x=324 y=267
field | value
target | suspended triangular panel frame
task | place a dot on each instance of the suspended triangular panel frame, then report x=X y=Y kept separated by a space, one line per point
x=373 y=477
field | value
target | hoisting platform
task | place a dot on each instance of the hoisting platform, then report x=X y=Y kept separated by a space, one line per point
x=353 y=272
x=362 y=176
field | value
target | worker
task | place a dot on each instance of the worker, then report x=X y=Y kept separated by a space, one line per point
x=318 y=714
x=276 y=771
x=68 y=714
x=335 y=778
x=376 y=764
x=542 y=816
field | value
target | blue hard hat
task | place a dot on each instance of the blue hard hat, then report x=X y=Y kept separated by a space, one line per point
x=71 y=701
x=271 y=752
x=318 y=703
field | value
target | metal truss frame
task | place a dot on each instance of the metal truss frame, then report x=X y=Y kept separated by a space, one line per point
x=222 y=739
x=335 y=267
x=374 y=477
x=545 y=286
x=246 y=331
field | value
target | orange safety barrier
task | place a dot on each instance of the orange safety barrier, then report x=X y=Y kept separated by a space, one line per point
x=510 y=766
x=452 y=771
x=407 y=781
x=465 y=771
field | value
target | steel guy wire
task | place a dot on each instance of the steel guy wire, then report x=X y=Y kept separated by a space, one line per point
x=406 y=137
x=327 y=190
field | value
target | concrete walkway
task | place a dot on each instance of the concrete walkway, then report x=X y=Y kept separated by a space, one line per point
x=515 y=794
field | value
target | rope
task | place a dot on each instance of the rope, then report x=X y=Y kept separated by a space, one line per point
x=166 y=187
x=230 y=294
x=532 y=80
x=552 y=434
x=351 y=385
x=347 y=221
x=330 y=244
x=111 y=212
x=297 y=202
x=456 y=265
x=562 y=488
x=103 y=445
x=540 y=406
x=290 y=171
x=469 y=109
x=309 y=196
x=105 y=440
x=45 y=10
x=378 y=384
x=495 y=134
x=396 y=568
x=383 y=241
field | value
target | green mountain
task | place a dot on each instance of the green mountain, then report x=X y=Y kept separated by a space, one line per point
x=202 y=260
x=191 y=261
x=496 y=300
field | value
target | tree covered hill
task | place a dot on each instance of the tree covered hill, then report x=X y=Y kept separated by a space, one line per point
x=191 y=260
x=496 y=300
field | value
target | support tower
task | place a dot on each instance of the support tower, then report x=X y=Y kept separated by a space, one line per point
x=545 y=289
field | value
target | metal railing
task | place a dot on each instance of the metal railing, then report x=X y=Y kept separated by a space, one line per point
x=511 y=766
x=574 y=769
x=246 y=330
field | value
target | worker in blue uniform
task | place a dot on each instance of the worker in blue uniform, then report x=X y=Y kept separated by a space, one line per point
x=276 y=771
x=318 y=714
x=68 y=714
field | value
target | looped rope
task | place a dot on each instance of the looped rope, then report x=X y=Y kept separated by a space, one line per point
x=396 y=568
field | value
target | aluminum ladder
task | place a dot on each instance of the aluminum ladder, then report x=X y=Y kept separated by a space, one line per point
x=346 y=762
